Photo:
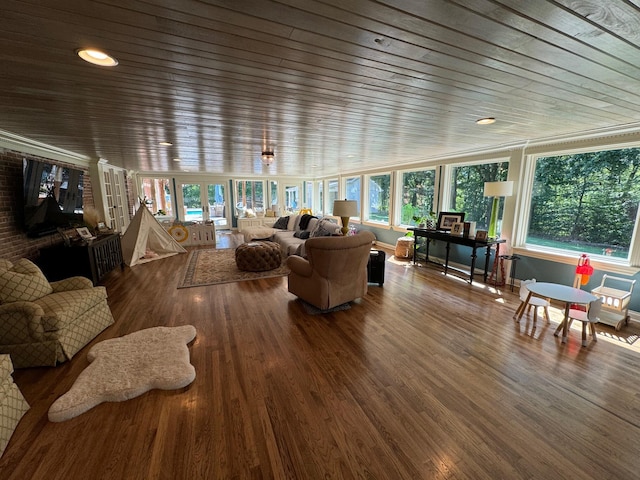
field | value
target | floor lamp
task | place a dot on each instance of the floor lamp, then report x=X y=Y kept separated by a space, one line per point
x=345 y=209
x=496 y=190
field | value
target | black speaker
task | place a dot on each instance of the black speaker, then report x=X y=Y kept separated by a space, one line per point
x=375 y=267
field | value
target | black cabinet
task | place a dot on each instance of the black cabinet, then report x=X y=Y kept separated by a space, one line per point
x=92 y=260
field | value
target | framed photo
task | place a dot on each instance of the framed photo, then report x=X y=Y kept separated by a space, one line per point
x=84 y=233
x=102 y=228
x=481 y=235
x=457 y=228
x=69 y=235
x=447 y=219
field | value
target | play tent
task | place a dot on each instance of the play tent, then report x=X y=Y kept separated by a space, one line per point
x=145 y=235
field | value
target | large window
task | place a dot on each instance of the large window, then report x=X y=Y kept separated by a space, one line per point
x=249 y=195
x=157 y=194
x=379 y=196
x=320 y=209
x=352 y=191
x=308 y=195
x=332 y=195
x=417 y=196
x=467 y=191
x=291 y=199
x=273 y=195
x=586 y=202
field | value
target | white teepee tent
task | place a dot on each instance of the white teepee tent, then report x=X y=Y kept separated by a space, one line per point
x=145 y=233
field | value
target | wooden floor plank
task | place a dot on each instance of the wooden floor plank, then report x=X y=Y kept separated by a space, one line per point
x=425 y=377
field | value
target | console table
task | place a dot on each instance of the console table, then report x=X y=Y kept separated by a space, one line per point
x=92 y=260
x=244 y=222
x=471 y=242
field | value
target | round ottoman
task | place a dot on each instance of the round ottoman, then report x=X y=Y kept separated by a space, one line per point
x=258 y=256
x=404 y=247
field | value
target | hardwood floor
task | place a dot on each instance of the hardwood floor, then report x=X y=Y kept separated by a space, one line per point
x=427 y=377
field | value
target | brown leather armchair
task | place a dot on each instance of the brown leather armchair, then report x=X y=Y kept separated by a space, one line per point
x=334 y=272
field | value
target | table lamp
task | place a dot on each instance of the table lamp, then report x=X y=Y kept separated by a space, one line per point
x=496 y=190
x=345 y=209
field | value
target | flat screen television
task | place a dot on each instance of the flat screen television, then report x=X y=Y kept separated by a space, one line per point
x=52 y=197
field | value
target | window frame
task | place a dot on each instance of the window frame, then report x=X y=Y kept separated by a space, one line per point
x=343 y=189
x=366 y=206
x=399 y=188
x=446 y=196
x=522 y=216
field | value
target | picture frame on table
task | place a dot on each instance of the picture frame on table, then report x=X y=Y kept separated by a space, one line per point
x=103 y=229
x=457 y=229
x=447 y=219
x=84 y=233
x=482 y=235
x=69 y=235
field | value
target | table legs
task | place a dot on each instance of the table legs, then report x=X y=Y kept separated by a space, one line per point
x=564 y=325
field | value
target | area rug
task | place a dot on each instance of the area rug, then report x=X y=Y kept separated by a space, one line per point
x=211 y=266
x=126 y=367
x=313 y=310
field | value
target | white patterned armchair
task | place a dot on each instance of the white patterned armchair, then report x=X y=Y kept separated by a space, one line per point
x=44 y=323
x=12 y=404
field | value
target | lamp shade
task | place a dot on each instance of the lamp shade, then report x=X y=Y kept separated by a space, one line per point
x=345 y=208
x=498 y=189
x=267 y=157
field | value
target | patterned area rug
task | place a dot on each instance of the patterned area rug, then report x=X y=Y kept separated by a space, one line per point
x=210 y=266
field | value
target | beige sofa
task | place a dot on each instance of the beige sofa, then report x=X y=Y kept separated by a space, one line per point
x=43 y=323
x=292 y=238
x=12 y=404
x=334 y=272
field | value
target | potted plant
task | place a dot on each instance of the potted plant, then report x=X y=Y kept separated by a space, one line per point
x=424 y=221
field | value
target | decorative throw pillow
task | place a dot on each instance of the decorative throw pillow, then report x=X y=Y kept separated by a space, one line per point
x=302 y=234
x=281 y=223
x=23 y=282
x=294 y=221
x=324 y=228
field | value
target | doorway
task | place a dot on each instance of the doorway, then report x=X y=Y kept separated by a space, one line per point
x=204 y=201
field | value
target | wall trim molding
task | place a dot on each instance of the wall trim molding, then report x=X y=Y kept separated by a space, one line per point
x=18 y=143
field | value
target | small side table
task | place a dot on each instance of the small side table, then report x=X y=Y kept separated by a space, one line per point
x=512 y=272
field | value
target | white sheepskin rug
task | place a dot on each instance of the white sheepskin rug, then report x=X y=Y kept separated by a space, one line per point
x=125 y=367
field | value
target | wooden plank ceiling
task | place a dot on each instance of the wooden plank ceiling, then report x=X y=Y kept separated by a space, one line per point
x=332 y=86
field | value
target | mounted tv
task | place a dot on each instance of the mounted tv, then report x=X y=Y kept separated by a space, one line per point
x=52 y=197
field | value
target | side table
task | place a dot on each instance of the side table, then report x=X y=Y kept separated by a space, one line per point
x=92 y=260
x=512 y=271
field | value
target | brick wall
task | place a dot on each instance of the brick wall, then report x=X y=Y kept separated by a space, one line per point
x=14 y=243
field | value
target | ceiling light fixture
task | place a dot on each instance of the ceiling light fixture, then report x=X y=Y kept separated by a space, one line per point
x=267 y=157
x=165 y=144
x=486 y=121
x=97 y=57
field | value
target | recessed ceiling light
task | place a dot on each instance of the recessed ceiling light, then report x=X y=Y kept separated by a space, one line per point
x=486 y=121
x=177 y=160
x=97 y=57
x=165 y=144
